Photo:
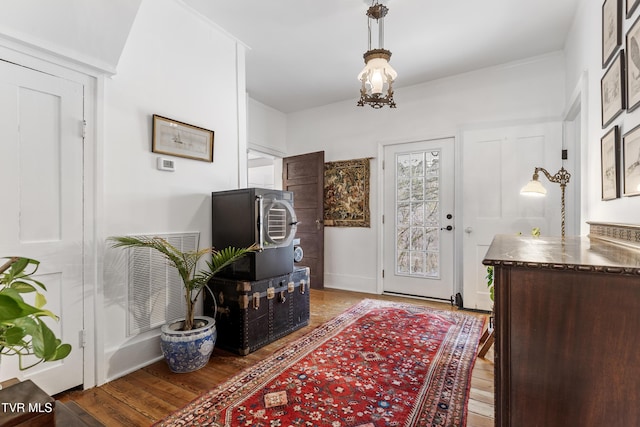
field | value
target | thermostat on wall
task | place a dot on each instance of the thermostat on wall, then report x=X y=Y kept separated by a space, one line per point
x=166 y=164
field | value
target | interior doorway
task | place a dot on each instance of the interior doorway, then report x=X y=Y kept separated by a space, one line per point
x=43 y=169
x=264 y=170
x=497 y=162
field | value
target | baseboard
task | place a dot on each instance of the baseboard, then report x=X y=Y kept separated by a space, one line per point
x=129 y=358
x=350 y=283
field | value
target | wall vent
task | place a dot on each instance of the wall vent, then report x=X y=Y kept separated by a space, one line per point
x=155 y=290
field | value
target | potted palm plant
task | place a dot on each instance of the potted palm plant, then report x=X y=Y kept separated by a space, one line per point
x=187 y=343
x=23 y=331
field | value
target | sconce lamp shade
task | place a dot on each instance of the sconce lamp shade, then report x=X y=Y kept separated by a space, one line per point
x=534 y=188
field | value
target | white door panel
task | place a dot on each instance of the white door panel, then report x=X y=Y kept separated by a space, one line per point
x=41 y=132
x=418 y=208
x=497 y=163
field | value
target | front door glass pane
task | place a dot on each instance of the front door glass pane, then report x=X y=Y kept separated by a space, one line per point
x=417 y=208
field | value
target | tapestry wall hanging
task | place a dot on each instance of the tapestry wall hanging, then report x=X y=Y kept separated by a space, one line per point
x=346 y=193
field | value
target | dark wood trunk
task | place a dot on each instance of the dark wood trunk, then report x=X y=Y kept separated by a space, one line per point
x=252 y=314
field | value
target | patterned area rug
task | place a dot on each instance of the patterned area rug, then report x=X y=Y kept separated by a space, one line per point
x=378 y=364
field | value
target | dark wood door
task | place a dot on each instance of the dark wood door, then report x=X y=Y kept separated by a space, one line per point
x=304 y=175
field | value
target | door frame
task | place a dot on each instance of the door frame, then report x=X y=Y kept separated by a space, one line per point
x=92 y=80
x=574 y=139
x=381 y=199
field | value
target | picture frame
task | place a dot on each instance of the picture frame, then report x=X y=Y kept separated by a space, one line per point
x=632 y=80
x=609 y=164
x=611 y=29
x=181 y=139
x=631 y=6
x=612 y=90
x=631 y=162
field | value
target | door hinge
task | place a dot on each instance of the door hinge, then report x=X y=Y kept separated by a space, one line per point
x=383 y=219
x=383 y=165
x=383 y=274
x=82 y=339
x=84 y=129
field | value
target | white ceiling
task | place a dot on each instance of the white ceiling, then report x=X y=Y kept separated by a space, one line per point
x=305 y=53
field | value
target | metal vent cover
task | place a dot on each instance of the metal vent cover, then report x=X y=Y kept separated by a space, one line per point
x=155 y=290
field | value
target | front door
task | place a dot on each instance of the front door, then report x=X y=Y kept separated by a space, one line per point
x=304 y=175
x=418 y=219
x=41 y=150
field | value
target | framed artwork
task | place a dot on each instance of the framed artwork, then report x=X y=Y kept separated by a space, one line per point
x=631 y=162
x=610 y=154
x=346 y=193
x=611 y=29
x=631 y=7
x=612 y=100
x=181 y=139
x=633 y=66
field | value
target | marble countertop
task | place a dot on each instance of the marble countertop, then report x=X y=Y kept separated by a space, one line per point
x=574 y=252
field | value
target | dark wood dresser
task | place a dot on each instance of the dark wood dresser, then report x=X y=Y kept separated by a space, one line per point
x=567 y=323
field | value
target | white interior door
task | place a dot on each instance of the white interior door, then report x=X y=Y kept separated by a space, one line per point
x=497 y=163
x=418 y=218
x=41 y=149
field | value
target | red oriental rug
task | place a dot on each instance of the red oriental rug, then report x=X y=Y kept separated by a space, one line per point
x=378 y=364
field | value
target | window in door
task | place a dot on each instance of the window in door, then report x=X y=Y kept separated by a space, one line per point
x=418 y=214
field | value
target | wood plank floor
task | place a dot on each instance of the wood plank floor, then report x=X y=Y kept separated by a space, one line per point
x=153 y=392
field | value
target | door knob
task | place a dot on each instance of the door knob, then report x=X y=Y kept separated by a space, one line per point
x=468 y=230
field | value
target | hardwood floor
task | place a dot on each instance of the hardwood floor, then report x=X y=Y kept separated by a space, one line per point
x=153 y=392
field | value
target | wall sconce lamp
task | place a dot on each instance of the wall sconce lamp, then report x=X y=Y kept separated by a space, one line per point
x=535 y=188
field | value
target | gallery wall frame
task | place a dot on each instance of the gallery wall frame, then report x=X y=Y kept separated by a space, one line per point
x=181 y=139
x=632 y=81
x=630 y=7
x=631 y=162
x=611 y=29
x=612 y=90
x=609 y=164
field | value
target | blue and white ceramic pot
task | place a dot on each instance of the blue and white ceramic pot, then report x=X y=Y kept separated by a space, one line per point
x=188 y=351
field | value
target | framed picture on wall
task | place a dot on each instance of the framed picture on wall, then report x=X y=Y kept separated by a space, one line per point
x=631 y=7
x=631 y=162
x=181 y=139
x=610 y=155
x=612 y=100
x=611 y=29
x=632 y=41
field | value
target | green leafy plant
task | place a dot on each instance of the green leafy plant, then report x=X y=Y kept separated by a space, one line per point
x=186 y=264
x=23 y=331
x=489 y=278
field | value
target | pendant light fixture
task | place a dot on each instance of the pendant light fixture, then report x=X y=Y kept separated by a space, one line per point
x=377 y=76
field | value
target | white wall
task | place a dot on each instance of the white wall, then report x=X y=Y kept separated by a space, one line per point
x=267 y=131
x=584 y=47
x=522 y=91
x=177 y=65
x=87 y=32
